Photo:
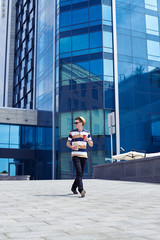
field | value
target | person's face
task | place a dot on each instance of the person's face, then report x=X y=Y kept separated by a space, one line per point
x=77 y=123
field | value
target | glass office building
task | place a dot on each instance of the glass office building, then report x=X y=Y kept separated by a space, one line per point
x=84 y=77
x=85 y=58
x=138 y=37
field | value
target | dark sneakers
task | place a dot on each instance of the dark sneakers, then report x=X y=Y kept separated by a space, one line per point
x=74 y=191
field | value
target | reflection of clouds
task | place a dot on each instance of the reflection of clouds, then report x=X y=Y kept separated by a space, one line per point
x=46 y=14
x=123 y=18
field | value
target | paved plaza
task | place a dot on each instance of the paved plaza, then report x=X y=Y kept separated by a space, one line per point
x=111 y=210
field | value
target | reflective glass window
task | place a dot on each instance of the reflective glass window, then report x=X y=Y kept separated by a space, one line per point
x=66 y=165
x=14 y=136
x=65 y=72
x=95 y=13
x=138 y=21
x=95 y=39
x=153 y=50
x=108 y=67
x=65 y=44
x=106 y=122
x=139 y=47
x=151 y=4
x=80 y=42
x=28 y=137
x=123 y=18
x=124 y=70
x=48 y=138
x=77 y=1
x=41 y=21
x=80 y=70
x=107 y=13
x=40 y=138
x=40 y=68
x=65 y=124
x=97 y=117
x=155 y=125
x=65 y=19
x=96 y=67
x=98 y=158
x=152 y=25
x=80 y=16
x=107 y=39
x=4 y=133
x=124 y=45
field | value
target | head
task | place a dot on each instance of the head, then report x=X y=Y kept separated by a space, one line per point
x=79 y=122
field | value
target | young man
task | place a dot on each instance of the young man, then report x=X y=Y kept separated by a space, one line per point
x=79 y=139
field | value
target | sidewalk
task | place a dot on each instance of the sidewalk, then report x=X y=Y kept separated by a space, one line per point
x=111 y=210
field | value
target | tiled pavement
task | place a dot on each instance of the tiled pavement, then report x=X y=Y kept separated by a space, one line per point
x=111 y=210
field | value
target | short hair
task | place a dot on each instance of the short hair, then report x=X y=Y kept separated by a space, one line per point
x=78 y=118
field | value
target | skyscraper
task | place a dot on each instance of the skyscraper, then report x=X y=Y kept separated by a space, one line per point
x=81 y=58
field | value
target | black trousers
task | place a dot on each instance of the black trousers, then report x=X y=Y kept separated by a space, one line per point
x=79 y=163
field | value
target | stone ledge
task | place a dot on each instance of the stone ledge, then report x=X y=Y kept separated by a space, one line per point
x=8 y=178
x=139 y=170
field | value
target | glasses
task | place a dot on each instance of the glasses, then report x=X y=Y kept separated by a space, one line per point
x=76 y=123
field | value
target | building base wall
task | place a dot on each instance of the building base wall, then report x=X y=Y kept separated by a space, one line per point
x=141 y=170
x=11 y=178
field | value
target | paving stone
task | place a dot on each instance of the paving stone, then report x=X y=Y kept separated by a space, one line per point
x=111 y=210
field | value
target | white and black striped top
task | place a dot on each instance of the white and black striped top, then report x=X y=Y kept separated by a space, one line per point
x=76 y=137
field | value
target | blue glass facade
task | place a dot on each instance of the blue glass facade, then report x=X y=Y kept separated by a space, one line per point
x=138 y=26
x=44 y=58
x=27 y=146
x=84 y=77
x=24 y=54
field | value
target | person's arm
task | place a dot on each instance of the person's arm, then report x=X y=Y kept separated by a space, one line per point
x=90 y=143
x=68 y=144
x=89 y=140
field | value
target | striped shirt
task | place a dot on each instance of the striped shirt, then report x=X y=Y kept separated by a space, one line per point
x=76 y=138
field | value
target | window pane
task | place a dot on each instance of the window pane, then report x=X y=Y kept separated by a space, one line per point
x=108 y=67
x=106 y=122
x=96 y=67
x=124 y=45
x=40 y=138
x=65 y=72
x=95 y=13
x=4 y=133
x=14 y=136
x=152 y=25
x=65 y=44
x=151 y=4
x=80 y=42
x=65 y=19
x=80 y=16
x=139 y=47
x=155 y=124
x=95 y=39
x=97 y=122
x=138 y=21
x=107 y=39
x=123 y=18
x=65 y=124
x=80 y=70
x=107 y=14
x=153 y=50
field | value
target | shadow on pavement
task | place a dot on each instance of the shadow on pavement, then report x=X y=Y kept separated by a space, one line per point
x=57 y=195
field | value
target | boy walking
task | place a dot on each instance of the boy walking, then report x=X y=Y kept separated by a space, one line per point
x=77 y=141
